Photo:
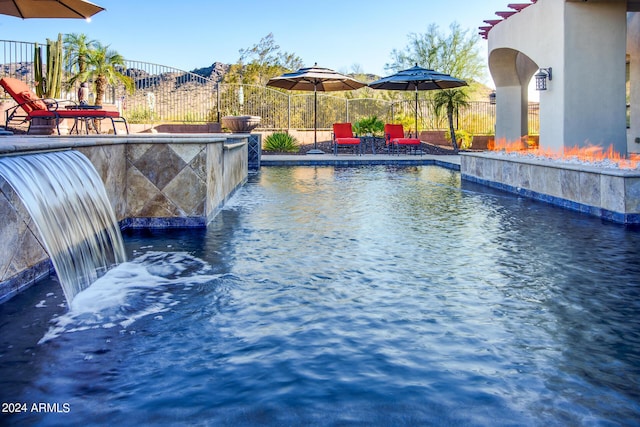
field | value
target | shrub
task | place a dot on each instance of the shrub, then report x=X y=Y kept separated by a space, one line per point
x=369 y=125
x=280 y=141
x=139 y=115
x=463 y=138
x=408 y=122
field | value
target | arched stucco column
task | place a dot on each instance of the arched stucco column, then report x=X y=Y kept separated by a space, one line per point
x=633 y=48
x=511 y=71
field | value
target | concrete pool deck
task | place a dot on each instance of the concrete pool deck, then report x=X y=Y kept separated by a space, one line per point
x=446 y=161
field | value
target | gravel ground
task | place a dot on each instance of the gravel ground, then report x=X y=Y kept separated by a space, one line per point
x=327 y=147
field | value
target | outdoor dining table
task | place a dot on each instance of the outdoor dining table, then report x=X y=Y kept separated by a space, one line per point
x=85 y=120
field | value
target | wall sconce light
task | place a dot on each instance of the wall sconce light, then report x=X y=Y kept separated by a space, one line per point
x=541 y=78
x=492 y=98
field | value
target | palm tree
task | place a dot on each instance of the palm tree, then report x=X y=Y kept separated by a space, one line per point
x=103 y=67
x=452 y=100
x=76 y=50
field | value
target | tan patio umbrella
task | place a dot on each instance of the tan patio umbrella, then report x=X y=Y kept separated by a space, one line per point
x=315 y=79
x=78 y=9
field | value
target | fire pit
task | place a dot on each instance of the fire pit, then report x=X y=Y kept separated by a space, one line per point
x=608 y=188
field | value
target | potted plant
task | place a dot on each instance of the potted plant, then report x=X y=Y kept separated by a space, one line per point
x=369 y=126
x=372 y=128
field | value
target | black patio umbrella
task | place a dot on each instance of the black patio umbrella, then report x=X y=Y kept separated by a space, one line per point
x=316 y=79
x=417 y=78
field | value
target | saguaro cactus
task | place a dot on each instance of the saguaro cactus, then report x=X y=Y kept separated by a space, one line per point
x=54 y=67
x=37 y=71
x=49 y=82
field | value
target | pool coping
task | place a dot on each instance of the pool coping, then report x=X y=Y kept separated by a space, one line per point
x=445 y=161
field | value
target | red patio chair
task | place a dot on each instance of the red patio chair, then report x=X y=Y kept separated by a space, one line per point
x=394 y=138
x=51 y=109
x=343 y=136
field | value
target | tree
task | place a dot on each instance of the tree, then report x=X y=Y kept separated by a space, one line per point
x=103 y=67
x=452 y=100
x=456 y=54
x=260 y=62
x=76 y=50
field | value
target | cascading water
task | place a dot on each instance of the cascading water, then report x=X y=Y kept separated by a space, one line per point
x=69 y=205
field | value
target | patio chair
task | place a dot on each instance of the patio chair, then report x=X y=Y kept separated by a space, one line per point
x=343 y=136
x=30 y=107
x=394 y=138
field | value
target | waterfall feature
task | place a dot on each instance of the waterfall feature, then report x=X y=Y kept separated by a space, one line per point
x=70 y=208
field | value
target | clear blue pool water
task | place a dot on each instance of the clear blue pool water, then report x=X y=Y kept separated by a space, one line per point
x=344 y=296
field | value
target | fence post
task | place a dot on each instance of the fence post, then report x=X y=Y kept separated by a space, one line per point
x=218 y=100
x=346 y=102
x=288 y=111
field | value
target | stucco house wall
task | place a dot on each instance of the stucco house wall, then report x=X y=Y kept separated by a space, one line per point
x=585 y=44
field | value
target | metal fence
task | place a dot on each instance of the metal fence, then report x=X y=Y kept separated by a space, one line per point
x=165 y=94
x=17 y=60
x=169 y=95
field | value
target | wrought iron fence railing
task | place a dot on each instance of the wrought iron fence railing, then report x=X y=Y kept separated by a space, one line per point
x=167 y=94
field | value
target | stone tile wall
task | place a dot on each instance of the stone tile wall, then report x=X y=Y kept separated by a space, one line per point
x=110 y=163
x=151 y=182
x=608 y=193
x=167 y=181
x=23 y=259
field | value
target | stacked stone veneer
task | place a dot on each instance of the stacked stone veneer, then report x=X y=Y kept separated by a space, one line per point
x=152 y=182
x=611 y=194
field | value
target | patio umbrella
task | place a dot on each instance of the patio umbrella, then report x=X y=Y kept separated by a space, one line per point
x=49 y=8
x=315 y=79
x=417 y=78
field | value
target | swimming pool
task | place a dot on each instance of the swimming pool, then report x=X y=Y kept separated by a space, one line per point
x=344 y=296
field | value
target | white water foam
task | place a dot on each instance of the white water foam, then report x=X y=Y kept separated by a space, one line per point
x=131 y=291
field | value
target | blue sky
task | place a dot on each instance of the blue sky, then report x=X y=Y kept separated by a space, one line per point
x=190 y=34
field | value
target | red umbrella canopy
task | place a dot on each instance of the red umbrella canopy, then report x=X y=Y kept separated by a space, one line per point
x=78 y=9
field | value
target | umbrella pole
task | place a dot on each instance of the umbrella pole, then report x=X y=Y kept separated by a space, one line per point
x=315 y=123
x=416 y=136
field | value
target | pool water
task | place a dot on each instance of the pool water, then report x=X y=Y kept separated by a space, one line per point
x=344 y=296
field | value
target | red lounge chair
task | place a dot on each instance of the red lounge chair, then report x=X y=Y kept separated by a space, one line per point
x=343 y=136
x=50 y=109
x=394 y=138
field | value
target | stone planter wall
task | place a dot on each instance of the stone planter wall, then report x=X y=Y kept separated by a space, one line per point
x=481 y=142
x=434 y=137
x=437 y=137
x=174 y=128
